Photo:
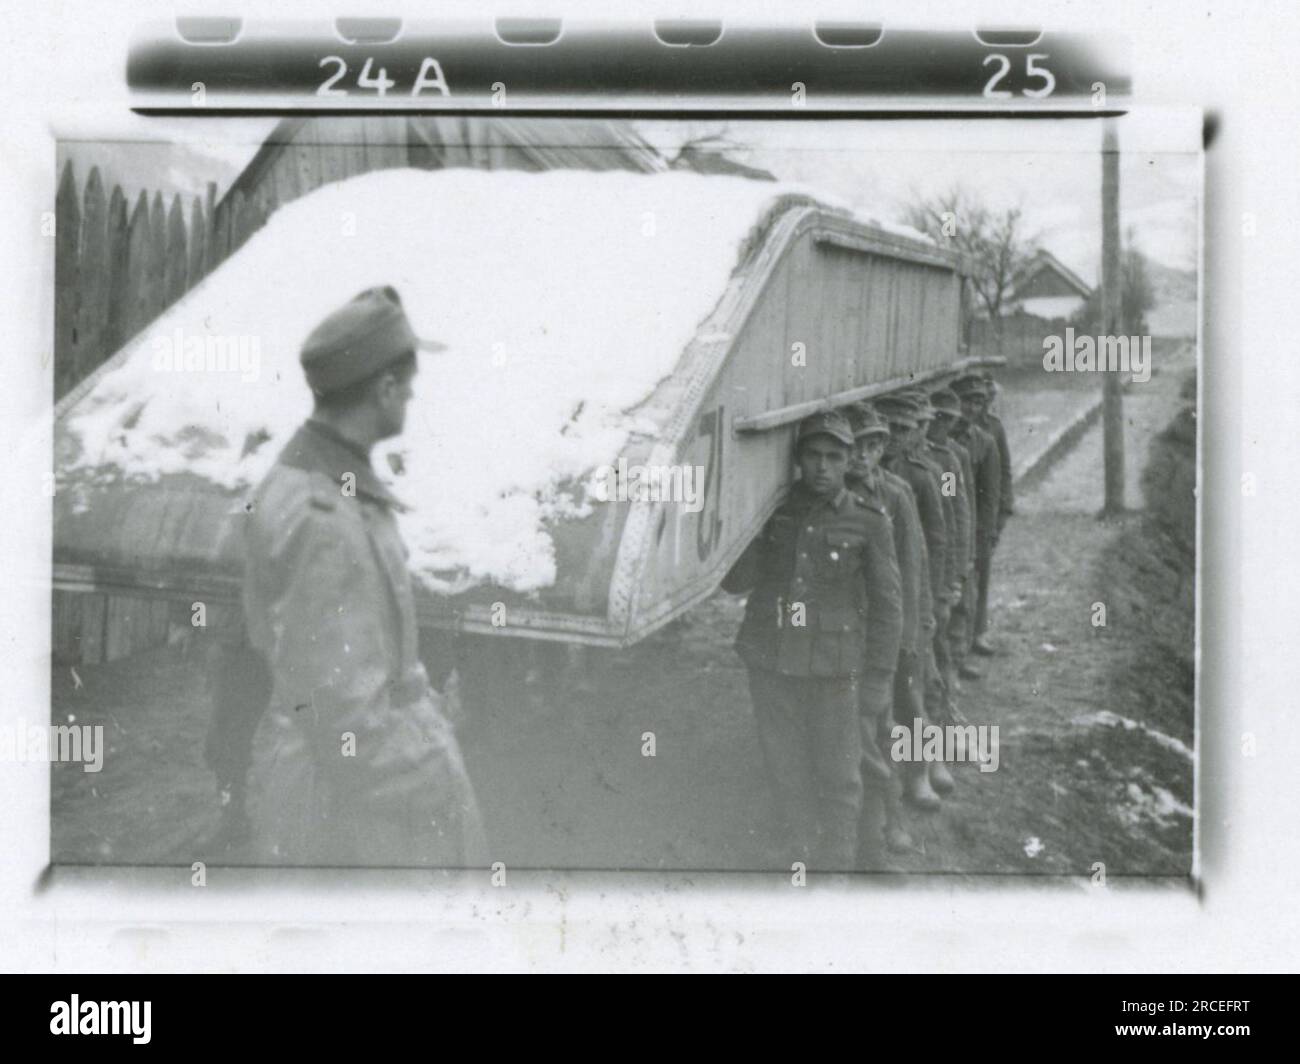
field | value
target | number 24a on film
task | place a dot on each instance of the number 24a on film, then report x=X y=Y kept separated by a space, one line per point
x=429 y=79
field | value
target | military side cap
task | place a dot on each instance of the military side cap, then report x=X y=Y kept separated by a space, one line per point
x=897 y=410
x=970 y=384
x=945 y=401
x=362 y=337
x=920 y=403
x=827 y=423
x=867 y=421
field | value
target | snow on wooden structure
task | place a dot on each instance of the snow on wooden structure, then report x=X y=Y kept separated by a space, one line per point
x=667 y=320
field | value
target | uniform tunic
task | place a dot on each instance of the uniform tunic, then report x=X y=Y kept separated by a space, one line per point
x=359 y=765
x=988 y=482
x=921 y=478
x=992 y=424
x=825 y=583
x=825 y=610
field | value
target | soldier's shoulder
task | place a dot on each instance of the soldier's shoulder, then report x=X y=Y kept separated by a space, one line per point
x=917 y=461
x=871 y=509
x=287 y=496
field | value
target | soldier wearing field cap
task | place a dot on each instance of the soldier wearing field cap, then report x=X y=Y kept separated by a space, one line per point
x=360 y=765
x=903 y=460
x=825 y=608
x=972 y=390
x=947 y=409
x=936 y=660
x=992 y=424
x=869 y=477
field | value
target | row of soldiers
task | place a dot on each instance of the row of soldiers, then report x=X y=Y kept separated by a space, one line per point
x=868 y=591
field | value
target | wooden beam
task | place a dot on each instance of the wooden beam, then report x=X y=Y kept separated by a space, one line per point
x=788 y=415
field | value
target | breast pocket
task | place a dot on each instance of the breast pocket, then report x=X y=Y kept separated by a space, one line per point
x=838 y=559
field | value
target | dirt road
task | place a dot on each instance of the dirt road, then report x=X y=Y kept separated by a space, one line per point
x=1091 y=769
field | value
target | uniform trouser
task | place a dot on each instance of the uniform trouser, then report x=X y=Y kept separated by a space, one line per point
x=875 y=701
x=983 y=563
x=961 y=624
x=939 y=686
x=875 y=698
x=811 y=736
x=909 y=687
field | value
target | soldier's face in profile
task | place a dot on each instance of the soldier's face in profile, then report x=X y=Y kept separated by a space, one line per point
x=823 y=461
x=972 y=407
x=392 y=396
x=940 y=427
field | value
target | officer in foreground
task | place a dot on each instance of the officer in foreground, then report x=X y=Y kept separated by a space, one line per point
x=825 y=606
x=359 y=766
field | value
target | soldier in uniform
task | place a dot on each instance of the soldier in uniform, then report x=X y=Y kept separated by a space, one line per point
x=824 y=615
x=986 y=464
x=867 y=476
x=359 y=766
x=948 y=412
x=954 y=460
x=992 y=424
x=938 y=673
x=902 y=458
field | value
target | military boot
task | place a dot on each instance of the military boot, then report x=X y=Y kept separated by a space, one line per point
x=917 y=789
x=873 y=850
x=897 y=838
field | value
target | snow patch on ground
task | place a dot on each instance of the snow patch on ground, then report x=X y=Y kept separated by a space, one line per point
x=1105 y=718
x=1153 y=803
x=563 y=298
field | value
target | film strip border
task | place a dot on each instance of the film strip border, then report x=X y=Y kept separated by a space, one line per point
x=223 y=65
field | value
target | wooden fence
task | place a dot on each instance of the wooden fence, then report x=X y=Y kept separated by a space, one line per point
x=115 y=269
x=117 y=265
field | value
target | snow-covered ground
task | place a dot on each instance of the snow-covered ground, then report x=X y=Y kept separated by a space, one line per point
x=563 y=298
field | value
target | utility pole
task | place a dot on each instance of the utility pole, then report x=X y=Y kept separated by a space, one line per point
x=1112 y=400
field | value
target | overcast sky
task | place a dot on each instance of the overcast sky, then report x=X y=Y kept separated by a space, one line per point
x=1050 y=168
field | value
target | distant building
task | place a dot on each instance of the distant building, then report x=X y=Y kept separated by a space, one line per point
x=1046 y=288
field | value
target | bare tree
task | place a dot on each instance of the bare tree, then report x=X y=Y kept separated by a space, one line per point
x=993 y=242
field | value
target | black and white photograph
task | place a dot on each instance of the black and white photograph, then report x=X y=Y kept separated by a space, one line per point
x=615 y=494
x=603 y=489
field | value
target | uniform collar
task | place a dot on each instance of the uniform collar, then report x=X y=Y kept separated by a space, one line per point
x=808 y=499
x=871 y=477
x=320 y=448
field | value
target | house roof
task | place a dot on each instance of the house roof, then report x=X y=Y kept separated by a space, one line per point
x=1045 y=260
x=481 y=143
